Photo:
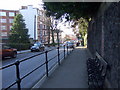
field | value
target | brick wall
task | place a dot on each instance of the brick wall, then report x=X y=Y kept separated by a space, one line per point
x=104 y=37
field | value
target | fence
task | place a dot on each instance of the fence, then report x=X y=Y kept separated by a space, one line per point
x=18 y=81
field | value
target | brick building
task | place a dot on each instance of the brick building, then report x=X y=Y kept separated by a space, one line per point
x=6 y=21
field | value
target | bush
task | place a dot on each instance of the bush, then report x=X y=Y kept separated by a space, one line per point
x=20 y=46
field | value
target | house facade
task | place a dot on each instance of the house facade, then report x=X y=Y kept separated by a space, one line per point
x=6 y=21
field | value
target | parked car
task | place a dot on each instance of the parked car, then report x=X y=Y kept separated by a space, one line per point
x=70 y=44
x=38 y=47
x=6 y=51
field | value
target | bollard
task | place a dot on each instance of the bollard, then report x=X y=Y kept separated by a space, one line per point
x=67 y=49
x=46 y=63
x=64 y=51
x=58 y=56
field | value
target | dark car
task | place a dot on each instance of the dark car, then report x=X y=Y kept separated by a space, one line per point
x=7 y=51
x=38 y=47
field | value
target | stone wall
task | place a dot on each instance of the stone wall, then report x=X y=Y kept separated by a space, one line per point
x=104 y=37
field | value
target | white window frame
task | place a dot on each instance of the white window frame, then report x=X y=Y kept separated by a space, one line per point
x=4 y=34
x=3 y=20
x=11 y=20
x=10 y=27
x=3 y=27
x=11 y=14
x=3 y=14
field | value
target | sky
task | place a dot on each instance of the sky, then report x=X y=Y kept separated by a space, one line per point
x=16 y=5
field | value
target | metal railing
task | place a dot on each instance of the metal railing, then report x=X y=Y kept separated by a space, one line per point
x=17 y=65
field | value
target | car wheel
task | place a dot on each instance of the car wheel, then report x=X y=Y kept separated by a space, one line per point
x=14 y=55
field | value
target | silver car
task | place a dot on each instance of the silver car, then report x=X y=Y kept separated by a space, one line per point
x=38 y=47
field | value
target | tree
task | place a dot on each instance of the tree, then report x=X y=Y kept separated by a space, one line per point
x=82 y=26
x=72 y=10
x=78 y=12
x=19 y=32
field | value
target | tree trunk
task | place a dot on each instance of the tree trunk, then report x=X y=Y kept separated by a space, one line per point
x=48 y=36
x=52 y=36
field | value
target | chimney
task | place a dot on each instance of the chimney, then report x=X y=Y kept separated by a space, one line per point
x=24 y=7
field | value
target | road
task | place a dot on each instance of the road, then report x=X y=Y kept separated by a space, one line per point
x=9 y=74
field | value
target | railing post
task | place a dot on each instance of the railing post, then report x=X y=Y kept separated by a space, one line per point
x=18 y=75
x=64 y=51
x=58 y=56
x=46 y=63
x=67 y=49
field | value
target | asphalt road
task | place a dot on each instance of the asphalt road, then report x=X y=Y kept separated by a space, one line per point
x=9 y=74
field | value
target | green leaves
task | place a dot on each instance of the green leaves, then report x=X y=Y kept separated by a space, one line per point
x=19 y=32
x=76 y=10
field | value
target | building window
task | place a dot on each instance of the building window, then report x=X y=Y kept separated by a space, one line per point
x=3 y=20
x=11 y=20
x=41 y=26
x=44 y=32
x=11 y=14
x=4 y=34
x=44 y=27
x=10 y=27
x=2 y=13
x=3 y=27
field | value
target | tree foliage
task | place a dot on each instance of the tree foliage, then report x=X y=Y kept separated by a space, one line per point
x=82 y=25
x=72 y=10
x=19 y=32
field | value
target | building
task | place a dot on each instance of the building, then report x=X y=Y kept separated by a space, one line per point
x=44 y=26
x=36 y=22
x=30 y=15
x=6 y=21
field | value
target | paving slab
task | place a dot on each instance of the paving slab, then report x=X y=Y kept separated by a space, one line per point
x=72 y=73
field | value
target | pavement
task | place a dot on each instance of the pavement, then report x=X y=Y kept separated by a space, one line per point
x=72 y=73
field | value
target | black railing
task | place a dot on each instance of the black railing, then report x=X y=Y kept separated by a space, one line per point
x=17 y=64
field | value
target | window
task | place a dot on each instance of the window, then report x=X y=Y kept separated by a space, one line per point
x=4 y=34
x=11 y=20
x=44 y=33
x=10 y=27
x=2 y=13
x=3 y=20
x=3 y=28
x=11 y=14
x=40 y=26
x=44 y=27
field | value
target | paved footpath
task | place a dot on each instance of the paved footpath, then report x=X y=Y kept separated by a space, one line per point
x=72 y=73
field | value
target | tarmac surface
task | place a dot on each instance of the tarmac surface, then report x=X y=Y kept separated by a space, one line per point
x=72 y=73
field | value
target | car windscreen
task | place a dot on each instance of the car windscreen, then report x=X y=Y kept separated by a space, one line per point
x=36 y=44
